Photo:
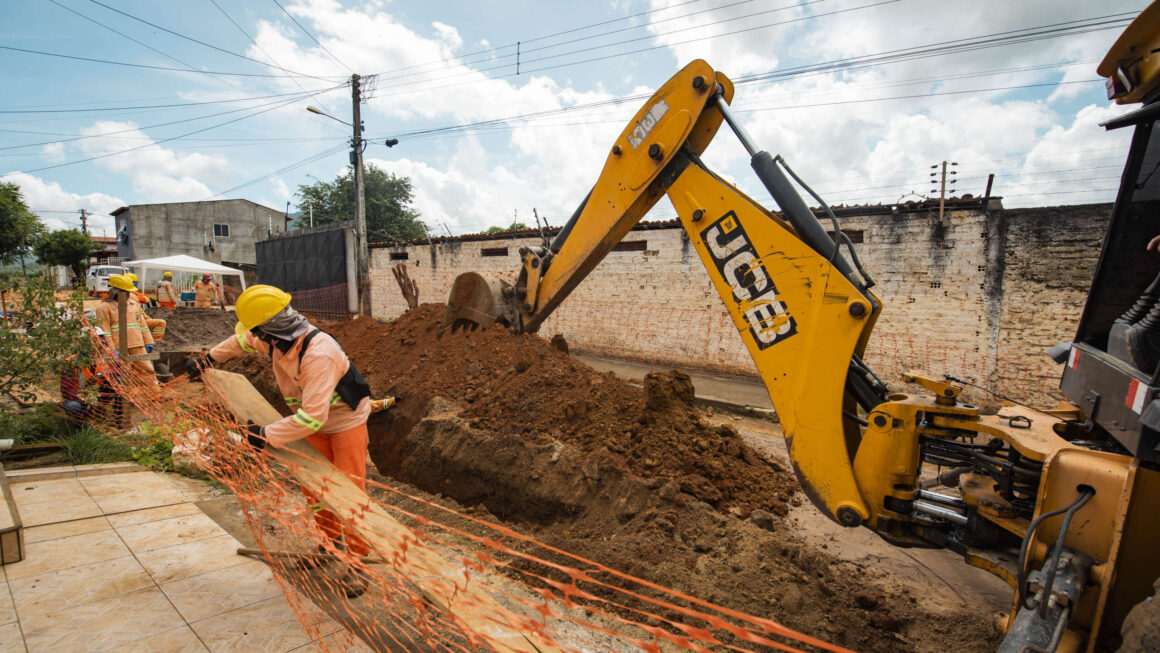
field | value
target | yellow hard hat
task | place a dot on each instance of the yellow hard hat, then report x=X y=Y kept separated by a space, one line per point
x=257 y=304
x=121 y=282
x=167 y=274
x=132 y=277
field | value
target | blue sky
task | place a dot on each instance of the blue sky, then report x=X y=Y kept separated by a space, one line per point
x=1026 y=111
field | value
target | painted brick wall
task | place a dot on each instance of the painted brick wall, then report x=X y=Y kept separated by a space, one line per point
x=975 y=296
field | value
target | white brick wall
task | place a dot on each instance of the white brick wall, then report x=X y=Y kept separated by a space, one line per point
x=942 y=313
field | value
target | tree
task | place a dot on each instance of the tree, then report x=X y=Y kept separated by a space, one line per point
x=40 y=337
x=390 y=215
x=68 y=247
x=515 y=226
x=19 y=228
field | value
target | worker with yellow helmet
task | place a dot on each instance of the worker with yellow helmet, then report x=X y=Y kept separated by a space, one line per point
x=138 y=336
x=330 y=398
x=166 y=293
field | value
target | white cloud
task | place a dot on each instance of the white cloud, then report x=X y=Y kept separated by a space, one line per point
x=158 y=174
x=53 y=152
x=49 y=197
x=473 y=180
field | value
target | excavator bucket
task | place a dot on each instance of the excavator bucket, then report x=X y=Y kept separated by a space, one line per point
x=477 y=302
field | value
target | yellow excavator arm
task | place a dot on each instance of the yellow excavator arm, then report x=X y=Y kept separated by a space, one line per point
x=802 y=310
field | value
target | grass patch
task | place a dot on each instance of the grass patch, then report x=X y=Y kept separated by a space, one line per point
x=88 y=446
x=35 y=424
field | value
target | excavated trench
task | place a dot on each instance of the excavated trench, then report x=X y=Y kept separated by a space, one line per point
x=635 y=478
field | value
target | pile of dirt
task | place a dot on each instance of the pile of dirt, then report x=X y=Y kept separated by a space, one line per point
x=190 y=329
x=523 y=386
x=512 y=428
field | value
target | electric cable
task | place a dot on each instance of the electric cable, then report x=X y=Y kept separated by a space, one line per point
x=298 y=96
x=127 y=64
x=122 y=34
x=310 y=159
x=312 y=37
x=142 y=107
x=201 y=42
x=250 y=38
x=151 y=143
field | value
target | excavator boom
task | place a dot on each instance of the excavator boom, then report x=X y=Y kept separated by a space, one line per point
x=803 y=307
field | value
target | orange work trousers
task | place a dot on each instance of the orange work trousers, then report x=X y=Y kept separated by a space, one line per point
x=348 y=451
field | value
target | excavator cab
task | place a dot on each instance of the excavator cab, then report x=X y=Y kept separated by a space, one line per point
x=1112 y=369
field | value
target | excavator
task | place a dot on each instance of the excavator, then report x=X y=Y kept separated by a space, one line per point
x=1057 y=503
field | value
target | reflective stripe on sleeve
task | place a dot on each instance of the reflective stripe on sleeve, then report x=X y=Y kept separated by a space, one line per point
x=304 y=418
x=335 y=399
x=244 y=345
x=292 y=401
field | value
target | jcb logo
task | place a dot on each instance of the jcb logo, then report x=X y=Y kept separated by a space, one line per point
x=753 y=290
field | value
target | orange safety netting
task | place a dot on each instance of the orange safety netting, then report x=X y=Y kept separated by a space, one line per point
x=435 y=578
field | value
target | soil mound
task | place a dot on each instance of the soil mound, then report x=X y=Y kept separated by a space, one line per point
x=522 y=385
x=189 y=329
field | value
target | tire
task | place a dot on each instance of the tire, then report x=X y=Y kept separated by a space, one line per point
x=1141 y=630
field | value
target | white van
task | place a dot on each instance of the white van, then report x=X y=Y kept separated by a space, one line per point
x=98 y=279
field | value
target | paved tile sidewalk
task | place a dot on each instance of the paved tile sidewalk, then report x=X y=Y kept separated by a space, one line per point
x=127 y=562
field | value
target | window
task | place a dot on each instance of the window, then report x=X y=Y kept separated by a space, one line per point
x=493 y=251
x=399 y=256
x=631 y=246
x=221 y=231
x=856 y=236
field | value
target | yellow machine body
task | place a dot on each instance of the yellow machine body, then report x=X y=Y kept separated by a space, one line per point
x=804 y=318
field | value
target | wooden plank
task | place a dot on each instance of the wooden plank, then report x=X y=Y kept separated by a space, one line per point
x=440 y=579
x=11 y=528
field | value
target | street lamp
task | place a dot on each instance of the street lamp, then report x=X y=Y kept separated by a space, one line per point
x=316 y=110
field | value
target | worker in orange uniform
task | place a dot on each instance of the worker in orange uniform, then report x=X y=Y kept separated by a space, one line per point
x=205 y=292
x=156 y=325
x=166 y=293
x=138 y=336
x=330 y=397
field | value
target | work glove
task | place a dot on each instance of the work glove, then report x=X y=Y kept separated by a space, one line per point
x=256 y=436
x=378 y=405
x=193 y=367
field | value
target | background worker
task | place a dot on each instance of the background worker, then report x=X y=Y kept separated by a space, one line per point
x=166 y=293
x=331 y=398
x=206 y=292
x=138 y=336
x=156 y=325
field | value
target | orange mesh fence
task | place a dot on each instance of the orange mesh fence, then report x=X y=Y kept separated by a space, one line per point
x=435 y=578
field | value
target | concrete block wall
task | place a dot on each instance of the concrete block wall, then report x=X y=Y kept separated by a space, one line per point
x=976 y=296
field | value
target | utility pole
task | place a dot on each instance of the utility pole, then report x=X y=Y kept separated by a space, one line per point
x=84 y=222
x=942 y=187
x=360 y=211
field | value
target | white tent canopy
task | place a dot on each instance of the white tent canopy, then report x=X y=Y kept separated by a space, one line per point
x=185 y=263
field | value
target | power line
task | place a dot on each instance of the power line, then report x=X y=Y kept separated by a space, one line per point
x=200 y=42
x=310 y=159
x=462 y=58
x=122 y=34
x=665 y=45
x=166 y=140
x=934 y=49
x=312 y=37
x=250 y=38
x=127 y=64
x=142 y=107
x=626 y=29
x=916 y=96
x=952 y=46
x=297 y=96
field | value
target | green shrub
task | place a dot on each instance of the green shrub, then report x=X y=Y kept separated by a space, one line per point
x=38 y=423
x=88 y=446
